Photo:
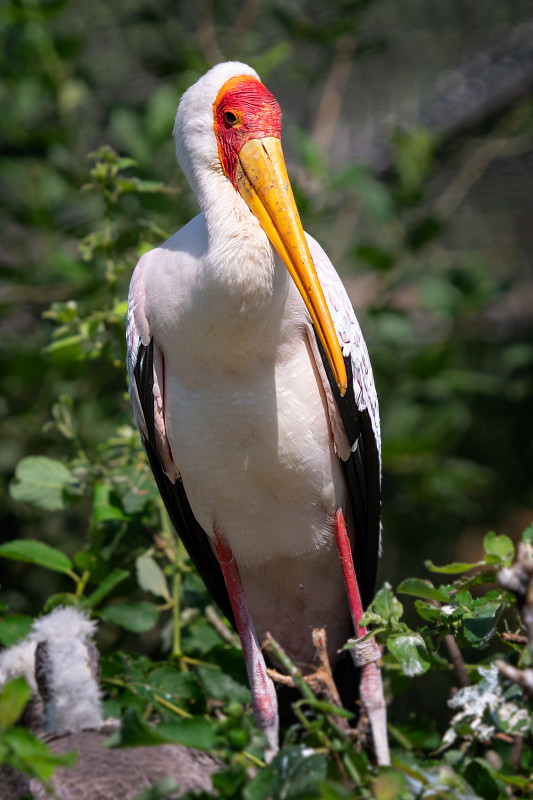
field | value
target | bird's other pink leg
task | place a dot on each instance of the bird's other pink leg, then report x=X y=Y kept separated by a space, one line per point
x=371 y=686
x=264 y=700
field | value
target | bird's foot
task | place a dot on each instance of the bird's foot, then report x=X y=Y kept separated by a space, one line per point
x=321 y=680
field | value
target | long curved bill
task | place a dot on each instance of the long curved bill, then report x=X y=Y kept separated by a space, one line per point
x=262 y=180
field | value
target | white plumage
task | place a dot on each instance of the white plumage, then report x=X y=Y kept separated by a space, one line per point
x=245 y=415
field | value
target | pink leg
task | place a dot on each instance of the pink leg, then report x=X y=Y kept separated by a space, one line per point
x=370 y=687
x=264 y=700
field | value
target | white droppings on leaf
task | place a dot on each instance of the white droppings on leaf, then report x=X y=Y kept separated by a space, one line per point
x=482 y=709
x=447 y=610
x=412 y=667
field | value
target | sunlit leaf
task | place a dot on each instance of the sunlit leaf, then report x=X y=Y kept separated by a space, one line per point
x=106 y=504
x=498 y=549
x=384 y=609
x=424 y=589
x=196 y=732
x=107 y=585
x=32 y=756
x=150 y=576
x=452 y=569
x=14 y=628
x=34 y=552
x=527 y=536
x=410 y=650
x=13 y=700
x=42 y=482
x=136 y=617
x=222 y=686
x=165 y=788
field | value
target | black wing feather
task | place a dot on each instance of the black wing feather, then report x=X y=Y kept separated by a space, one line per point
x=189 y=530
x=363 y=477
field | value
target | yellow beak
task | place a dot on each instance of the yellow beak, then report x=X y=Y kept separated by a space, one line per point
x=262 y=180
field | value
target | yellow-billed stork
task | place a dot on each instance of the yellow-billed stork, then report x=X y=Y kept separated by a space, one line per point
x=253 y=391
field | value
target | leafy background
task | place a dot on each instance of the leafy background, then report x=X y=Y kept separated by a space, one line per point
x=408 y=131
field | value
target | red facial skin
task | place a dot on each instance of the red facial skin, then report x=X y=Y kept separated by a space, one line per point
x=257 y=115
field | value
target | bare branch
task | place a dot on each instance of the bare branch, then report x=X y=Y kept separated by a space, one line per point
x=457 y=659
x=206 y=33
x=331 y=103
x=518 y=579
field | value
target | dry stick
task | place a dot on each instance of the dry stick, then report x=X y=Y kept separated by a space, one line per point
x=225 y=633
x=337 y=714
x=457 y=659
x=518 y=579
x=516 y=751
x=514 y=638
x=499 y=146
x=206 y=33
x=246 y=19
x=331 y=103
x=294 y=678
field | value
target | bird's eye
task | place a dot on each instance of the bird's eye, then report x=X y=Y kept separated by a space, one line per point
x=230 y=117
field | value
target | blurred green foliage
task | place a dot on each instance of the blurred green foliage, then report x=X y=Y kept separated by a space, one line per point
x=82 y=522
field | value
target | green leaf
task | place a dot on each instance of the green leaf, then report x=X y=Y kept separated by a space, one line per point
x=377 y=257
x=14 y=628
x=479 y=626
x=181 y=688
x=135 y=732
x=487 y=576
x=106 y=586
x=384 y=609
x=480 y=777
x=200 y=637
x=34 y=552
x=136 y=489
x=166 y=787
x=136 y=617
x=106 y=504
x=390 y=785
x=527 y=536
x=13 y=700
x=413 y=156
x=297 y=774
x=410 y=650
x=62 y=599
x=513 y=719
x=32 y=756
x=230 y=782
x=150 y=576
x=223 y=687
x=196 y=732
x=42 y=482
x=425 y=231
x=427 y=611
x=498 y=549
x=424 y=589
x=453 y=568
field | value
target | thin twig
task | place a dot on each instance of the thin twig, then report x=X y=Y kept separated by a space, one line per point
x=207 y=34
x=331 y=103
x=518 y=579
x=516 y=752
x=457 y=659
x=514 y=638
x=522 y=677
x=473 y=170
x=272 y=647
x=214 y=619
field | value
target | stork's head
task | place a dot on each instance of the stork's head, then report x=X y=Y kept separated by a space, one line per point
x=228 y=126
